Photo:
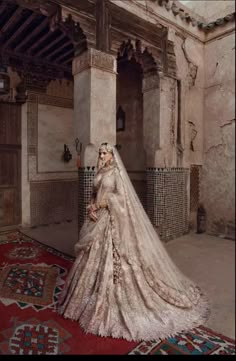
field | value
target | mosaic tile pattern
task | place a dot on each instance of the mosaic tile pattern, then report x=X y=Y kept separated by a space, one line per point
x=167 y=201
x=140 y=187
x=85 y=184
x=164 y=197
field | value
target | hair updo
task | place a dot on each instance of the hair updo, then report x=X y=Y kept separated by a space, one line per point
x=108 y=147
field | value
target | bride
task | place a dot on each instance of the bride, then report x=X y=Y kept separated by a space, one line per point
x=123 y=283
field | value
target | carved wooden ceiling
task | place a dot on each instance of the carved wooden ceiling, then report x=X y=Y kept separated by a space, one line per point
x=34 y=40
x=40 y=38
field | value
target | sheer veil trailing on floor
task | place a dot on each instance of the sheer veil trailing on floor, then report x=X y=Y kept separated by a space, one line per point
x=123 y=283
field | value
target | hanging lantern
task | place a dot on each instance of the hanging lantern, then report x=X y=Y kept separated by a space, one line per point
x=4 y=81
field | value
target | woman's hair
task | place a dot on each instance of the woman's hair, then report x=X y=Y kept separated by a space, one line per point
x=108 y=147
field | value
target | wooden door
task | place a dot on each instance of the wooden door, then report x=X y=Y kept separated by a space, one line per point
x=10 y=164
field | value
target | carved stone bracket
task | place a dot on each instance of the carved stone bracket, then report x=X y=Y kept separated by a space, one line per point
x=193 y=68
x=93 y=58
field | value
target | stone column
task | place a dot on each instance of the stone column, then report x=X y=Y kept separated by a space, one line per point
x=151 y=117
x=94 y=113
x=94 y=101
x=166 y=184
x=159 y=120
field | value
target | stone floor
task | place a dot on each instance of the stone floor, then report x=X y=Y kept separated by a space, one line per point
x=208 y=260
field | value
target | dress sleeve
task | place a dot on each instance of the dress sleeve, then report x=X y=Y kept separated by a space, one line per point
x=117 y=197
x=93 y=195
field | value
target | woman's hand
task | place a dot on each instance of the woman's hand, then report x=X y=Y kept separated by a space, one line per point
x=92 y=212
x=93 y=216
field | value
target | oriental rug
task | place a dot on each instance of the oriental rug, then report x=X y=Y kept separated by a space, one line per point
x=32 y=276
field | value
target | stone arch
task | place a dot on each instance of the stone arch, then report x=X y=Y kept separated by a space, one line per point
x=137 y=53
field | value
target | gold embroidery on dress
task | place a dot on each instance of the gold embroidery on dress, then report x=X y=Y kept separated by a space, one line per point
x=116 y=265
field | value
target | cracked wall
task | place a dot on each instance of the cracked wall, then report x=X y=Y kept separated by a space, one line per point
x=217 y=185
x=192 y=98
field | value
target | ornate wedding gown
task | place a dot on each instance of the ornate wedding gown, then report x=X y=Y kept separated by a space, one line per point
x=123 y=283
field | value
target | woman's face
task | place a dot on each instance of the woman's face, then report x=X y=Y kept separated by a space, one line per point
x=105 y=156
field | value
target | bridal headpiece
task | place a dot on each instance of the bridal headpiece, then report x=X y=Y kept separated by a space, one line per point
x=107 y=147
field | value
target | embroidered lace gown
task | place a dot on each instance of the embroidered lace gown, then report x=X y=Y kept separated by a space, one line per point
x=123 y=283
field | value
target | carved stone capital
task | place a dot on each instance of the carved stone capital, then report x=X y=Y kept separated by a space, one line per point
x=151 y=82
x=93 y=58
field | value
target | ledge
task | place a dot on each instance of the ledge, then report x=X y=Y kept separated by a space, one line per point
x=186 y=16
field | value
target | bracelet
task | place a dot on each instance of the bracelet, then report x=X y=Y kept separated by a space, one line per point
x=103 y=204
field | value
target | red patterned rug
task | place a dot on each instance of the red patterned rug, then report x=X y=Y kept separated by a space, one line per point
x=31 y=278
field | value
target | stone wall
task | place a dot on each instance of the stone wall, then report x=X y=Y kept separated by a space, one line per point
x=218 y=189
x=49 y=185
x=55 y=128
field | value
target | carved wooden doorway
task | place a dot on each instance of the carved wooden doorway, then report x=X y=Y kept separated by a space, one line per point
x=10 y=164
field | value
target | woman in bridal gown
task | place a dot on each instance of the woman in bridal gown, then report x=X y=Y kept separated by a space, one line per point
x=123 y=283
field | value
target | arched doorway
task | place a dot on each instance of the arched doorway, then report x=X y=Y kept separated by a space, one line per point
x=133 y=65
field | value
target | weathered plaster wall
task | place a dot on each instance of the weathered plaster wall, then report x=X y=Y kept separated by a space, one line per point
x=191 y=98
x=55 y=128
x=48 y=124
x=192 y=95
x=218 y=189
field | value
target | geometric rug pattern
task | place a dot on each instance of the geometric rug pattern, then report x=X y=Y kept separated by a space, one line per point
x=35 y=338
x=31 y=285
x=201 y=341
x=32 y=276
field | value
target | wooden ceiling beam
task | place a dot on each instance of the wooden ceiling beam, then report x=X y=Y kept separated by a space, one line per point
x=68 y=61
x=50 y=45
x=59 y=49
x=2 y=6
x=12 y=20
x=64 y=55
x=32 y=34
x=36 y=45
x=18 y=58
x=19 y=30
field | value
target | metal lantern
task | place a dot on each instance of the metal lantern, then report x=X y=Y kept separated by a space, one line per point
x=4 y=81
